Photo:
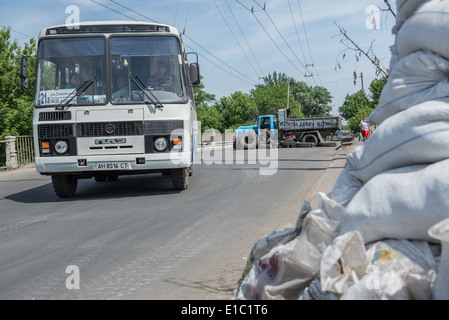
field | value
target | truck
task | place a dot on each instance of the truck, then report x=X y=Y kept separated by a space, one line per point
x=113 y=98
x=286 y=131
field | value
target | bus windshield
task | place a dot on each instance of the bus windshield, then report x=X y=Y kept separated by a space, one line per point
x=65 y=65
x=146 y=63
x=142 y=69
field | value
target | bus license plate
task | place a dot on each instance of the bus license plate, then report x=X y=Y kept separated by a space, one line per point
x=112 y=166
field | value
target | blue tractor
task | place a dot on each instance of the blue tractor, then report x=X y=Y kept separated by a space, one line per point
x=263 y=131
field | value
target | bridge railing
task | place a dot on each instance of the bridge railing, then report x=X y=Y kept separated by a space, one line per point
x=16 y=151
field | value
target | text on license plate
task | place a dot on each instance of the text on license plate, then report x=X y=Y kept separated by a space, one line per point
x=112 y=166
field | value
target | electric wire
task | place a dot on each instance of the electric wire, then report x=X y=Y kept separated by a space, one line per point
x=274 y=42
x=187 y=15
x=13 y=30
x=104 y=6
x=235 y=38
x=307 y=42
x=243 y=35
x=218 y=59
x=296 y=30
x=176 y=12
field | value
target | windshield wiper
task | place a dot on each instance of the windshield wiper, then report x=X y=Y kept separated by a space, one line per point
x=154 y=100
x=79 y=91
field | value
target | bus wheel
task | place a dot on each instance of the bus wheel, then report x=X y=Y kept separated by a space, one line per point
x=64 y=185
x=180 y=178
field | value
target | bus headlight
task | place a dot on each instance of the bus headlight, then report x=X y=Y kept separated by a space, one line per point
x=161 y=144
x=61 y=147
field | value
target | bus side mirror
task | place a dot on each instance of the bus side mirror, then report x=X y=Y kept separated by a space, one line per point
x=194 y=69
x=23 y=72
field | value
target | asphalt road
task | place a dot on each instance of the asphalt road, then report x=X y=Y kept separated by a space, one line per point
x=136 y=238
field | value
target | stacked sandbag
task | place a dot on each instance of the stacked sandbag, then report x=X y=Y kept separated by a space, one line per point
x=402 y=170
x=378 y=234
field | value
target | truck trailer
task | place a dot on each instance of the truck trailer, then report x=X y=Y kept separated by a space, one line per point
x=286 y=131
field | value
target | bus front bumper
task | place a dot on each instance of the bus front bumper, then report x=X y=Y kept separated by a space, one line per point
x=119 y=164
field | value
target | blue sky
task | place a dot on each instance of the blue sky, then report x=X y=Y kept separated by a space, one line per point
x=236 y=46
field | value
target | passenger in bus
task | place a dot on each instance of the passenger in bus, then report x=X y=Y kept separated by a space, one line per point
x=162 y=79
x=122 y=85
x=74 y=81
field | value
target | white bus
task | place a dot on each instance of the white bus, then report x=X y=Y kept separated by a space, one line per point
x=113 y=98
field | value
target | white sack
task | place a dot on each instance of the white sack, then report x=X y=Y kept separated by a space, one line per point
x=427 y=28
x=345 y=188
x=419 y=77
x=400 y=204
x=393 y=61
x=287 y=270
x=405 y=8
x=417 y=135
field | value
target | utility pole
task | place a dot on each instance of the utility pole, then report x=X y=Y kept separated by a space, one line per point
x=361 y=77
x=288 y=93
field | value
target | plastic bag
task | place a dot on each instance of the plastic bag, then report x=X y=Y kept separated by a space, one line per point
x=391 y=275
x=287 y=270
x=440 y=231
x=280 y=237
x=343 y=263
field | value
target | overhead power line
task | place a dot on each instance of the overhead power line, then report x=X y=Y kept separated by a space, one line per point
x=238 y=43
x=104 y=6
x=296 y=30
x=307 y=42
x=219 y=59
x=243 y=35
x=274 y=42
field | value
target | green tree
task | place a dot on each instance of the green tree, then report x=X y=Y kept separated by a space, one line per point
x=314 y=101
x=353 y=103
x=16 y=105
x=202 y=96
x=275 y=78
x=375 y=88
x=271 y=97
x=209 y=117
x=236 y=110
x=359 y=104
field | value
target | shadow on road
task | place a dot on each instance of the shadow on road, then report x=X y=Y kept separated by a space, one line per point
x=89 y=189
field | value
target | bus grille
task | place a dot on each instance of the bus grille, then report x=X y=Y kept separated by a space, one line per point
x=162 y=127
x=55 y=130
x=55 y=116
x=101 y=129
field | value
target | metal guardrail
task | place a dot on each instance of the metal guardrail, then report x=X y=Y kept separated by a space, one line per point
x=25 y=149
x=16 y=151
